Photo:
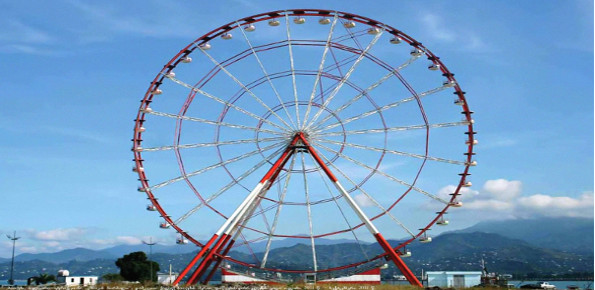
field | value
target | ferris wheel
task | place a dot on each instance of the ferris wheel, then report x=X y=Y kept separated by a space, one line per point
x=302 y=128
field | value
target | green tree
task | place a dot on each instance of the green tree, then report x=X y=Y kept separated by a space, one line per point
x=136 y=267
x=41 y=279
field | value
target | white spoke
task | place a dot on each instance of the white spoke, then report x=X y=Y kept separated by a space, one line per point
x=345 y=78
x=267 y=76
x=291 y=63
x=198 y=145
x=227 y=187
x=369 y=197
x=372 y=112
x=409 y=61
x=205 y=121
x=394 y=129
x=390 y=177
x=320 y=69
x=372 y=87
x=216 y=165
x=195 y=89
x=419 y=156
x=276 y=219
x=309 y=213
x=256 y=98
x=339 y=207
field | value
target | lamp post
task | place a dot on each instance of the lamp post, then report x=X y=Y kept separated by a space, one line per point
x=150 y=244
x=14 y=239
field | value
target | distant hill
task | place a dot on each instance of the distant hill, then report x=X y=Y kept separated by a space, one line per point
x=121 y=250
x=77 y=254
x=289 y=242
x=452 y=251
x=536 y=247
x=464 y=251
x=564 y=234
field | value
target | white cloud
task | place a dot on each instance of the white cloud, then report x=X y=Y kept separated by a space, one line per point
x=437 y=29
x=464 y=37
x=60 y=234
x=501 y=198
x=17 y=32
x=502 y=189
x=128 y=240
x=492 y=204
x=465 y=192
x=546 y=205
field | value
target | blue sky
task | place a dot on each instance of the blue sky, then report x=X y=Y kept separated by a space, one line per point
x=74 y=72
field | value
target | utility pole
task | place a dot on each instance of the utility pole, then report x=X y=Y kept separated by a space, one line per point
x=14 y=239
x=150 y=244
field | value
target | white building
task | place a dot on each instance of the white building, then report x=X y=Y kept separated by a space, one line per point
x=65 y=278
x=166 y=279
x=454 y=279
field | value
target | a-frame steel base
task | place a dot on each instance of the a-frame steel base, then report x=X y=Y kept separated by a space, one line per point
x=222 y=241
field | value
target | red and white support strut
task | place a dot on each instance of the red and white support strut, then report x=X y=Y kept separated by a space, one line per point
x=221 y=242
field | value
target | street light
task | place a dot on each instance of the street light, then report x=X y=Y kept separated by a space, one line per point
x=14 y=239
x=150 y=244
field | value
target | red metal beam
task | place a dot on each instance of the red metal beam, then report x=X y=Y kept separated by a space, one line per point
x=397 y=260
x=194 y=260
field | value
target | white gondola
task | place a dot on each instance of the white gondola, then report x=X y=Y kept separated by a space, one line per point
x=141 y=189
x=186 y=59
x=415 y=52
x=324 y=21
x=349 y=24
x=468 y=142
x=449 y=83
x=146 y=110
x=299 y=20
x=137 y=149
x=405 y=254
x=250 y=28
x=467 y=184
x=164 y=225
x=472 y=163
x=442 y=222
x=170 y=74
x=274 y=22
x=456 y=204
x=181 y=241
x=395 y=40
x=151 y=207
x=425 y=239
x=137 y=169
x=205 y=46
x=374 y=30
x=434 y=66
x=459 y=102
x=470 y=121
x=142 y=129
x=226 y=36
x=157 y=92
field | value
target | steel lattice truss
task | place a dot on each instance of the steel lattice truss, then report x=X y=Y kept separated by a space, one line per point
x=305 y=125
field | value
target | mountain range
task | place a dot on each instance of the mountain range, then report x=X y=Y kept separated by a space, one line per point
x=522 y=247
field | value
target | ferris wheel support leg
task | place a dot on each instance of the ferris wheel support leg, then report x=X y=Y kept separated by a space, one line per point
x=206 y=262
x=194 y=260
x=390 y=251
x=397 y=260
x=238 y=215
x=219 y=260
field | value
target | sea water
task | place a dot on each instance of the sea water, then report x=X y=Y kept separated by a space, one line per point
x=558 y=284
x=16 y=282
